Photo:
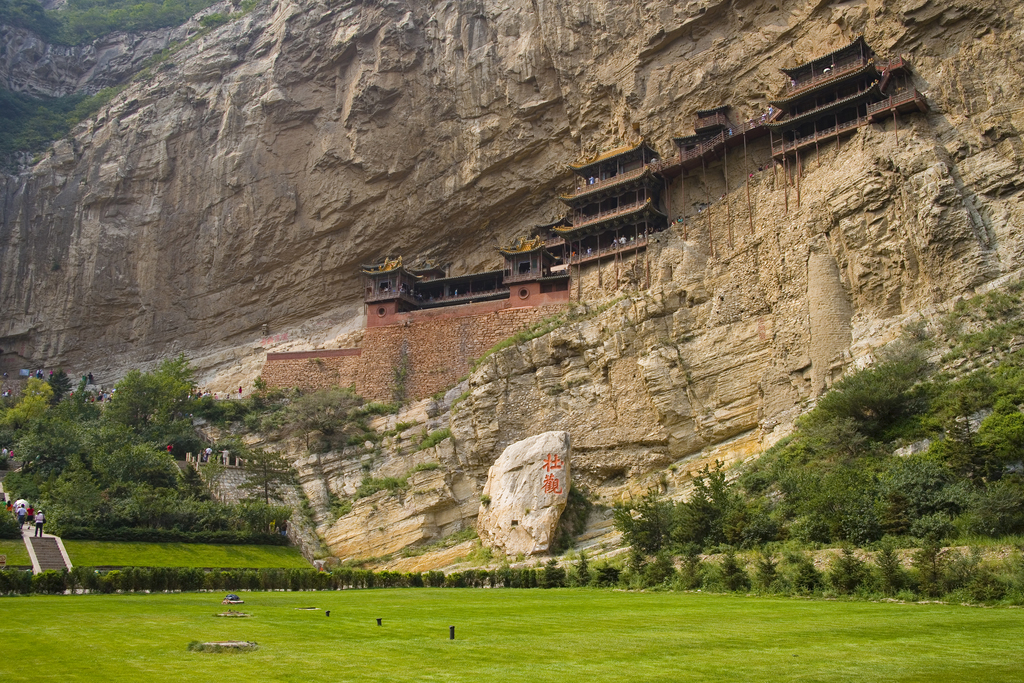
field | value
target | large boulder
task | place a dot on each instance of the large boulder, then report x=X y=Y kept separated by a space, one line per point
x=526 y=491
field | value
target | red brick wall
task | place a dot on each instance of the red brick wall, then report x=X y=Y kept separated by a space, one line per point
x=437 y=347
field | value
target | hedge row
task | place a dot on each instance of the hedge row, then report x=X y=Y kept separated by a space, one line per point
x=160 y=579
x=171 y=536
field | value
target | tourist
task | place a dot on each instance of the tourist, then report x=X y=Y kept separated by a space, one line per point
x=21 y=517
x=30 y=515
x=40 y=520
x=91 y=381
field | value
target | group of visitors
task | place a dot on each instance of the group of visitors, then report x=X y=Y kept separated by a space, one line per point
x=26 y=513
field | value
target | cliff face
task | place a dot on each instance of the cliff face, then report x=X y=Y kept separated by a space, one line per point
x=241 y=185
x=244 y=181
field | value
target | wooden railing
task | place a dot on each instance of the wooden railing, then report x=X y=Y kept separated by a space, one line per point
x=610 y=213
x=705 y=122
x=894 y=100
x=468 y=296
x=389 y=295
x=782 y=146
x=607 y=182
x=842 y=68
x=637 y=242
x=520 y=277
x=711 y=144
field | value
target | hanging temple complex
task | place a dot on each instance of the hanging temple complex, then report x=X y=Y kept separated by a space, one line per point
x=425 y=326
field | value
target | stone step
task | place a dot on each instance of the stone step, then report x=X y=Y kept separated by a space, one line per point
x=48 y=554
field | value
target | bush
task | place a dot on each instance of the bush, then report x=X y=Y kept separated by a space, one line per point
x=892 y=578
x=49 y=582
x=848 y=572
x=9 y=526
x=171 y=536
x=435 y=437
x=734 y=576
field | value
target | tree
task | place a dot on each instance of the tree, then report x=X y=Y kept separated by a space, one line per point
x=324 y=411
x=61 y=385
x=713 y=514
x=645 y=524
x=266 y=473
x=144 y=400
x=35 y=399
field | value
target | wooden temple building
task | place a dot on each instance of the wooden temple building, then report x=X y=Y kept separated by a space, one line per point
x=833 y=95
x=621 y=197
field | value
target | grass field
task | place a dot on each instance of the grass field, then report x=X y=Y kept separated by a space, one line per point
x=506 y=635
x=15 y=552
x=125 y=554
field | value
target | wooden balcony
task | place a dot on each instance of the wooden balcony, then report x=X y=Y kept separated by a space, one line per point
x=586 y=189
x=781 y=147
x=390 y=296
x=610 y=214
x=902 y=101
x=639 y=243
x=716 y=120
x=843 y=68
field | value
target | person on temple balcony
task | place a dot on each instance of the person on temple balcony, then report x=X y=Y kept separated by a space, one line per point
x=589 y=251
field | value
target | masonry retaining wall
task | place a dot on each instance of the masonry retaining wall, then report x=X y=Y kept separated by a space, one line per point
x=427 y=352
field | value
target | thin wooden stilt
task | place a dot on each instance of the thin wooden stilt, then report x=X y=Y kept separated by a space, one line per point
x=682 y=189
x=895 y=126
x=747 y=171
x=707 y=207
x=785 y=178
x=799 y=172
x=728 y=204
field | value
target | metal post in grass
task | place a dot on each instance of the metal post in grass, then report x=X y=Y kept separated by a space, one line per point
x=451 y=633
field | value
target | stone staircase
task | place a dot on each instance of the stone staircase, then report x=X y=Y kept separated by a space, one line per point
x=48 y=554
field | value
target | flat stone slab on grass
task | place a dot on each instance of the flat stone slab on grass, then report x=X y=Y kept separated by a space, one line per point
x=222 y=646
x=232 y=613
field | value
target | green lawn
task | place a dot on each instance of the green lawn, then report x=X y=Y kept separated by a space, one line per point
x=507 y=635
x=15 y=552
x=126 y=554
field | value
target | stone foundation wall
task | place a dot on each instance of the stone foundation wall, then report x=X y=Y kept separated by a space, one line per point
x=312 y=370
x=426 y=353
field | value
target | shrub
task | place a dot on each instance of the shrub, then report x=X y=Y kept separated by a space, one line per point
x=435 y=437
x=171 y=536
x=892 y=578
x=848 y=572
x=734 y=576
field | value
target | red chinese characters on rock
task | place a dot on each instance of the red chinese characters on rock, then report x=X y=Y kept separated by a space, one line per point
x=551 y=482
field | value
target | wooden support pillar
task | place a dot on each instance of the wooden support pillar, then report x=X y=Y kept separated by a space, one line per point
x=728 y=207
x=615 y=251
x=799 y=172
x=747 y=172
x=895 y=126
x=707 y=200
x=682 y=189
x=785 y=179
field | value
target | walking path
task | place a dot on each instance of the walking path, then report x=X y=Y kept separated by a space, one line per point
x=46 y=552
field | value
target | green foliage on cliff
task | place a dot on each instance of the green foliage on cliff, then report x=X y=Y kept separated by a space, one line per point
x=837 y=479
x=107 y=469
x=28 y=124
x=80 y=21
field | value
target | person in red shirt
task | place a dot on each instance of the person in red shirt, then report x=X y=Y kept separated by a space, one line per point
x=170 y=447
x=30 y=514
